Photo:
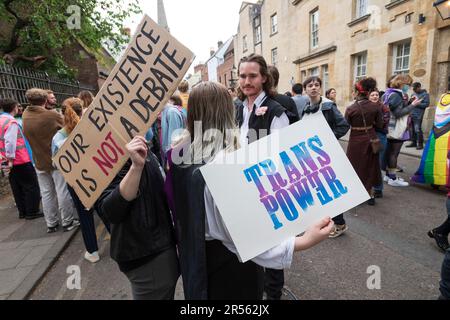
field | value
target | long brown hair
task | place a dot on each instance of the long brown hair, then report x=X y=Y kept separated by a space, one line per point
x=210 y=105
x=400 y=80
x=87 y=97
x=73 y=109
x=268 y=86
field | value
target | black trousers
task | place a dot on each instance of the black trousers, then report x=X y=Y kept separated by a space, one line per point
x=273 y=283
x=228 y=278
x=25 y=188
x=87 y=223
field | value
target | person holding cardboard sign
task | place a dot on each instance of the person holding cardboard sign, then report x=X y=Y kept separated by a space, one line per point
x=210 y=265
x=142 y=235
x=72 y=112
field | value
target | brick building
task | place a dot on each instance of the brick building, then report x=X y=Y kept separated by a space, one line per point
x=226 y=71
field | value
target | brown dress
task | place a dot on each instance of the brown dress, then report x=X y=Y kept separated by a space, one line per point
x=359 y=151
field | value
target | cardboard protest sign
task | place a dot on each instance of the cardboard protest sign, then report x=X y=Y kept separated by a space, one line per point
x=137 y=89
x=302 y=175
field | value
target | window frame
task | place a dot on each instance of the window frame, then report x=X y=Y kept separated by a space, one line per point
x=274 y=50
x=402 y=57
x=314 y=33
x=257 y=30
x=359 y=63
x=274 y=26
x=361 y=8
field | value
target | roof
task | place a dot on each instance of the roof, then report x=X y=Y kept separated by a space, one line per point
x=247 y=3
x=222 y=50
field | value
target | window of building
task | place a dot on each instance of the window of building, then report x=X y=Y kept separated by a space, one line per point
x=401 y=57
x=274 y=24
x=360 y=61
x=257 y=25
x=244 y=43
x=314 y=72
x=303 y=75
x=314 y=29
x=361 y=8
x=274 y=56
x=325 y=78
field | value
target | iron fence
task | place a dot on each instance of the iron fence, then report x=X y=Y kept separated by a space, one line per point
x=14 y=82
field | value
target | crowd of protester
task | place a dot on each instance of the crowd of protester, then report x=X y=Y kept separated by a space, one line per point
x=162 y=218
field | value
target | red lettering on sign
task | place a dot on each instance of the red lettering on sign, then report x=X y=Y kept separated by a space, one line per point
x=108 y=154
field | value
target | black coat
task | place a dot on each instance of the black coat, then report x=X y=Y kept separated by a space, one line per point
x=143 y=227
x=261 y=124
x=290 y=106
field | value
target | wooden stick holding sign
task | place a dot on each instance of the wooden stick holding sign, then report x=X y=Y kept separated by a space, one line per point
x=129 y=102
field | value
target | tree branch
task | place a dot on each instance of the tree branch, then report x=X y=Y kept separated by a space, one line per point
x=20 y=24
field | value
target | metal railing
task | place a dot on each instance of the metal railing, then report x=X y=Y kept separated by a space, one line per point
x=14 y=82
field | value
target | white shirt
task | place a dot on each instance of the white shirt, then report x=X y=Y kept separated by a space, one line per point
x=279 y=257
x=277 y=122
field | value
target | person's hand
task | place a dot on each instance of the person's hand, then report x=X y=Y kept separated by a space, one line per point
x=137 y=148
x=416 y=101
x=315 y=234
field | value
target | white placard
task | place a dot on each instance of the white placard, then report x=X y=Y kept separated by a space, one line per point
x=304 y=175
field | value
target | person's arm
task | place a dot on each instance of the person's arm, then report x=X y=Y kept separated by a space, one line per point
x=379 y=121
x=396 y=106
x=279 y=122
x=278 y=257
x=129 y=186
x=341 y=125
x=11 y=141
x=115 y=201
x=425 y=101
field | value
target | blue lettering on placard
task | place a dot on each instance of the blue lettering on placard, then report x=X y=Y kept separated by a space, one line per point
x=307 y=180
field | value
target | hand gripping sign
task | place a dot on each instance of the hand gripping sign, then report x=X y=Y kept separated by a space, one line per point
x=297 y=176
x=137 y=89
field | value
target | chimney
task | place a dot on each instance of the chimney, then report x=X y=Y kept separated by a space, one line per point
x=219 y=44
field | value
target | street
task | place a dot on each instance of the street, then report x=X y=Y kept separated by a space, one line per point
x=391 y=236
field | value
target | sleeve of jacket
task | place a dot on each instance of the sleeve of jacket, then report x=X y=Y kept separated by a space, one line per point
x=426 y=101
x=379 y=120
x=111 y=203
x=342 y=125
x=396 y=106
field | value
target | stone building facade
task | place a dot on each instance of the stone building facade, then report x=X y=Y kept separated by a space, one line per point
x=344 y=40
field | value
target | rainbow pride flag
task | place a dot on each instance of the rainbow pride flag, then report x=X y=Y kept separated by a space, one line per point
x=434 y=167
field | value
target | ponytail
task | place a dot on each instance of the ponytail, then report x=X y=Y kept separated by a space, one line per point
x=72 y=113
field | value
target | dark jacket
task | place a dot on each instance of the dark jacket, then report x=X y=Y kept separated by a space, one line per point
x=142 y=228
x=419 y=110
x=261 y=123
x=334 y=117
x=290 y=106
x=188 y=194
x=398 y=106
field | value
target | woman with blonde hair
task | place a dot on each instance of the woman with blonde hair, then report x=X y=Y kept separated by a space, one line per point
x=209 y=262
x=396 y=99
x=86 y=97
x=72 y=111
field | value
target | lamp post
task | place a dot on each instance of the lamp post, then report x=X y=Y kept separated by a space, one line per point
x=443 y=7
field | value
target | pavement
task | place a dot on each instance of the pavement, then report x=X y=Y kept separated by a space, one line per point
x=26 y=251
x=28 y=255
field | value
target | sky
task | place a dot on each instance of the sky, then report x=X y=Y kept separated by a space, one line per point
x=198 y=24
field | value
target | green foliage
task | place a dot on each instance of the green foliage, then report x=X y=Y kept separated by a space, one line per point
x=45 y=31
